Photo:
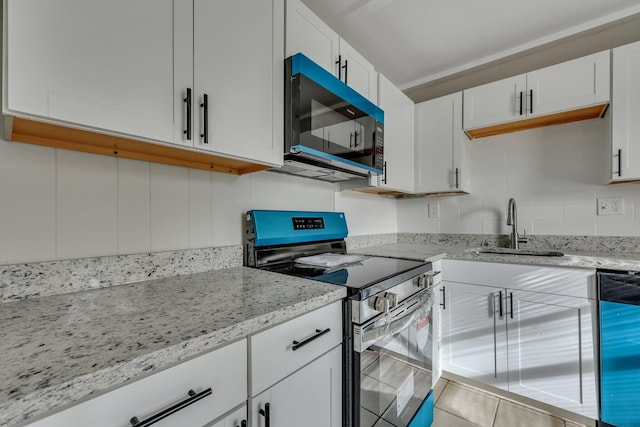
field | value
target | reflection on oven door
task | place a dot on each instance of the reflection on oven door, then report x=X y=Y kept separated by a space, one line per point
x=395 y=375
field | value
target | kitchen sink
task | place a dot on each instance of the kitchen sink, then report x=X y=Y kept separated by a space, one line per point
x=529 y=252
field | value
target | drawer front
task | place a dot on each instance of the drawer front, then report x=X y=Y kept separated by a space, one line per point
x=223 y=370
x=551 y=280
x=272 y=352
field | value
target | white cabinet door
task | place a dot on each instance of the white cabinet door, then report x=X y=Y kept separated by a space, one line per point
x=308 y=34
x=473 y=333
x=573 y=84
x=398 y=137
x=436 y=321
x=439 y=145
x=239 y=64
x=310 y=397
x=358 y=73
x=551 y=354
x=233 y=420
x=625 y=112
x=104 y=65
x=496 y=102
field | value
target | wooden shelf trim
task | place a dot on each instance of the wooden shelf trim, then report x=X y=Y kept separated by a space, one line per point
x=400 y=195
x=593 y=112
x=50 y=135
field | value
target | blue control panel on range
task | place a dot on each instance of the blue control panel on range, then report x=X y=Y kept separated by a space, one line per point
x=285 y=227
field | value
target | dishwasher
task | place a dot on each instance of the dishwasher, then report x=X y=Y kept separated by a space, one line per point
x=619 y=294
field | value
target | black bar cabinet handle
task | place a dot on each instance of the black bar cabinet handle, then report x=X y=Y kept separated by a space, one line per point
x=339 y=64
x=384 y=172
x=531 y=101
x=351 y=140
x=243 y=423
x=346 y=70
x=193 y=398
x=318 y=334
x=205 y=107
x=511 y=303
x=457 y=178
x=266 y=414
x=355 y=138
x=187 y=101
x=521 y=94
x=443 y=304
x=501 y=312
x=620 y=162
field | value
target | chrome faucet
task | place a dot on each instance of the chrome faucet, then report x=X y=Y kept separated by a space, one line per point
x=512 y=220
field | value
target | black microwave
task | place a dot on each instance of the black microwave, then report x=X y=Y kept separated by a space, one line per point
x=332 y=132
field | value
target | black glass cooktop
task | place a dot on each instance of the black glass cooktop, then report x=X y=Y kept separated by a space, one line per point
x=372 y=274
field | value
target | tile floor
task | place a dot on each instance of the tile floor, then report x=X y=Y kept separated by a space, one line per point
x=460 y=405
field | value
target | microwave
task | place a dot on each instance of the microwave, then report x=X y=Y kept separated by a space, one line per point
x=332 y=133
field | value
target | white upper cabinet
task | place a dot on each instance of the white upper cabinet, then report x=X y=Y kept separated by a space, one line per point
x=103 y=65
x=308 y=34
x=625 y=113
x=398 y=137
x=571 y=85
x=141 y=69
x=439 y=146
x=239 y=64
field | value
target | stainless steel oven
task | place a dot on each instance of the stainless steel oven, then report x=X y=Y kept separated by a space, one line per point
x=387 y=316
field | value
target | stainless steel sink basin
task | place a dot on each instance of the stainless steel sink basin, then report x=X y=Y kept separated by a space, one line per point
x=529 y=252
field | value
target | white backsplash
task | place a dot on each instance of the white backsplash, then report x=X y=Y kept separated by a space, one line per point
x=556 y=174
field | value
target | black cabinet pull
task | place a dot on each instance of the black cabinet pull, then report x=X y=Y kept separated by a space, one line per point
x=346 y=70
x=187 y=101
x=619 y=156
x=193 y=398
x=501 y=313
x=265 y=413
x=521 y=102
x=384 y=172
x=351 y=140
x=205 y=108
x=339 y=64
x=243 y=423
x=511 y=303
x=355 y=139
x=318 y=334
x=531 y=101
x=457 y=173
x=443 y=304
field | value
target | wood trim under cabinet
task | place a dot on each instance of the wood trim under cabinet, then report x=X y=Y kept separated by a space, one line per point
x=593 y=112
x=400 y=195
x=50 y=135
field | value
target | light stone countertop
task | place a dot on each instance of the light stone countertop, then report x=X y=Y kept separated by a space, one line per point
x=577 y=259
x=59 y=349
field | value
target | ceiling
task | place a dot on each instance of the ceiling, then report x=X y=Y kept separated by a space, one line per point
x=413 y=42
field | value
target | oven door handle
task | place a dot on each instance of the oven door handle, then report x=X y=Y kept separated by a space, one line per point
x=381 y=328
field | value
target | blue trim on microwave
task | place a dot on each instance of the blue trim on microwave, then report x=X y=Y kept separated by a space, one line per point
x=276 y=227
x=339 y=160
x=302 y=64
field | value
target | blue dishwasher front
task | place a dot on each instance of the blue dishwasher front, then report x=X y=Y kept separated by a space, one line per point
x=620 y=348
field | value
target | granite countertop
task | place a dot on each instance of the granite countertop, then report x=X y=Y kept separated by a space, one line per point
x=576 y=259
x=58 y=349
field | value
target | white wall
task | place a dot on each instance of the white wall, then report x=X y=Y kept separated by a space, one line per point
x=58 y=204
x=556 y=174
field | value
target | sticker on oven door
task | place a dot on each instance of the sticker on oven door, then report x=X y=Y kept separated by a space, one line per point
x=422 y=332
x=404 y=393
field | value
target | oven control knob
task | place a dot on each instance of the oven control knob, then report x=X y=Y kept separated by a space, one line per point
x=385 y=302
x=424 y=281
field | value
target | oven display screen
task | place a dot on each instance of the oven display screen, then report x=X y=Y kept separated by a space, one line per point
x=308 y=223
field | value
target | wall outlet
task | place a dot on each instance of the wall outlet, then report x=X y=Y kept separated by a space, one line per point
x=611 y=206
x=434 y=210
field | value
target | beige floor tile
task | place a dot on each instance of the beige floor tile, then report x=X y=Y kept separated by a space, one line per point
x=445 y=419
x=439 y=388
x=513 y=415
x=469 y=404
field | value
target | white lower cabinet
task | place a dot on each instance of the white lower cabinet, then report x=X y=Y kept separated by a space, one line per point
x=236 y=419
x=223 y=372
x=296 y=371
x=525 y=329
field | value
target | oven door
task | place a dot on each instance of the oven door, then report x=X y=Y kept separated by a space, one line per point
x=394 y=362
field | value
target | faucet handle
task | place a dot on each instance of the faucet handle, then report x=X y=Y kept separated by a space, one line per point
x=523 y=238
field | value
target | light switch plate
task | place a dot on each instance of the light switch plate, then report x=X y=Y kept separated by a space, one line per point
x=434 y=210
x=611 y=206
